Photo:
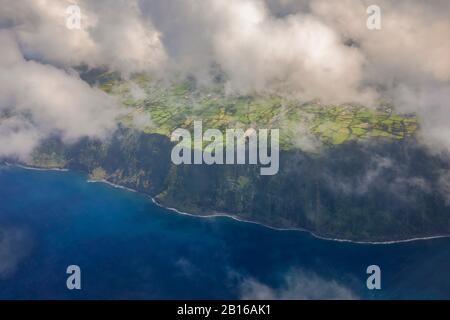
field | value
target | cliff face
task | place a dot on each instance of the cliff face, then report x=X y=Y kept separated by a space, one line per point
x=367 y=192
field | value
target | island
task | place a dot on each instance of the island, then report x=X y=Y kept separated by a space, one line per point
x=346 y=171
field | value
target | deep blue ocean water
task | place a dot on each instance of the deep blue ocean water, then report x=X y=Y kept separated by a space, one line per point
x=127 y=247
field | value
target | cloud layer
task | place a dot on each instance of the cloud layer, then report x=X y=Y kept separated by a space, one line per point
x=307 y=49
x=318 y=49
x=37 y=100
x=112 y=33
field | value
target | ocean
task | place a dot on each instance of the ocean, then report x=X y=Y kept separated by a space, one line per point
x=127 y=247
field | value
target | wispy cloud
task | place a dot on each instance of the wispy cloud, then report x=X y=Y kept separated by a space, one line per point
x=14 y=247
x=297 y=285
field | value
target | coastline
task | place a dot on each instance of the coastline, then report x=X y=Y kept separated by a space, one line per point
x=35 y=168
x=231 y=216
x=112 y=185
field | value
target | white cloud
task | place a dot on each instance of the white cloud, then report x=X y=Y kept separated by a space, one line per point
x=407 y=60
x=113 y=34
x=37 y=100
x=298 y=285
x=298 y=55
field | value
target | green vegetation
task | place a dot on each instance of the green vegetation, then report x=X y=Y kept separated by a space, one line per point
x=50 y=161
x=98 y=174
x=175 y=106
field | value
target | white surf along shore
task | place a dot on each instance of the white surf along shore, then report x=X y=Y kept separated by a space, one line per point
x=35 y=168
x=231 y=216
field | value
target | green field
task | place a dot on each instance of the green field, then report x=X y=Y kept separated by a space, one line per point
x=168 y=107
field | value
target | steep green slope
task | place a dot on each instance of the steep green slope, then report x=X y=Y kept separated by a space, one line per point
x=345 y=171
x=371 y=192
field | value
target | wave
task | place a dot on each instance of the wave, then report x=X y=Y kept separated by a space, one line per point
x=110 y=184
x=34 y=168
x=234 y=217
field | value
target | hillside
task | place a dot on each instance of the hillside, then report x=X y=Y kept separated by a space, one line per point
x=168 y=107
x=346 y=171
